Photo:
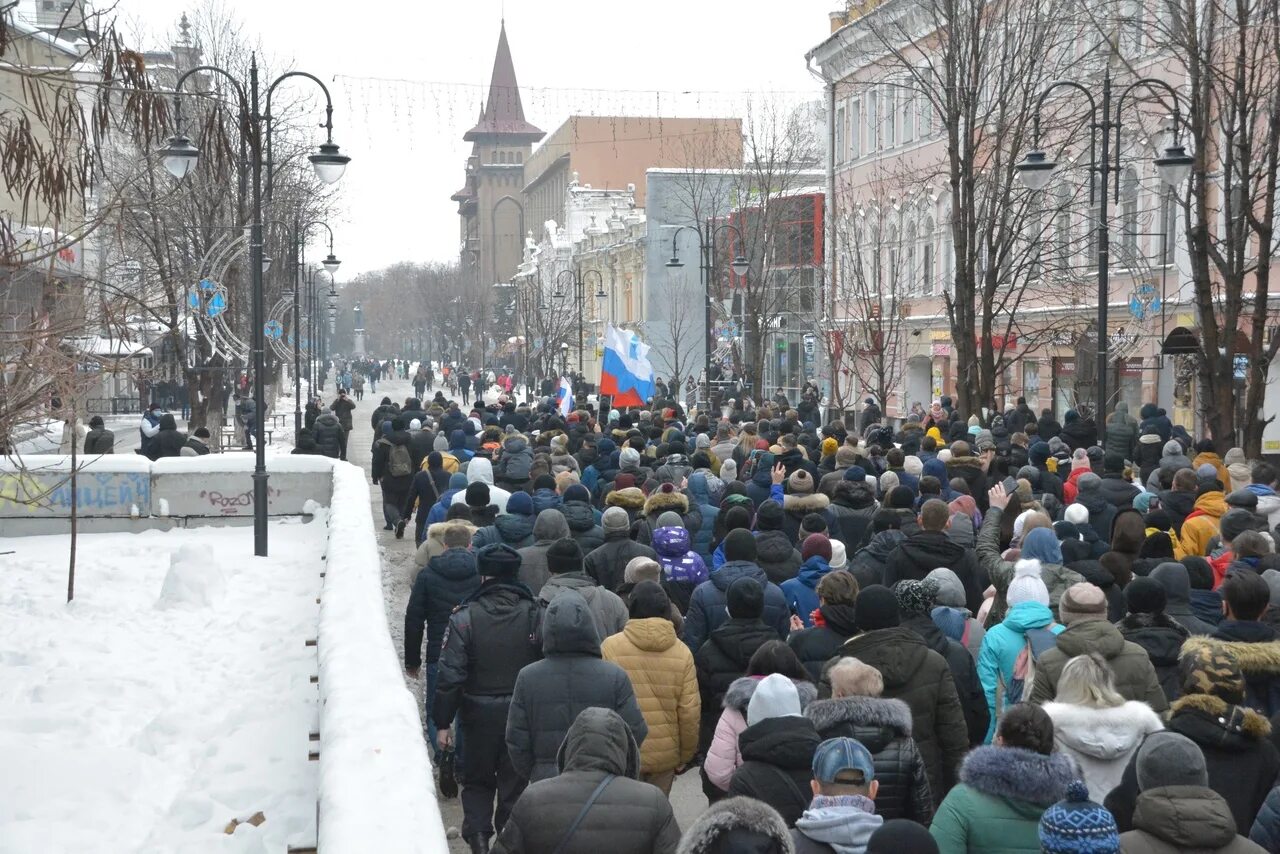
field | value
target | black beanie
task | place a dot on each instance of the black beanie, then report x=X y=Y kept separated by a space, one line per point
x=648 y=599
x=563 y=556
x=1113 y=462
x=1145 y=596
x=498 y=561
x=737 y=517
x=901 y=498
x=876 y=608
x=901 y=836
x=544 y=481
x=578 y=492
x=1234 y=523
x=740 y=544
x=745 y=598
x=769 y=516
x=813 y=523
x=478 y=494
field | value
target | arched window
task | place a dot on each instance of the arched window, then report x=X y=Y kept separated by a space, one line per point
x=909 y=270
x=893 y=274
x=1129 y=215
x=928 y=274
x=1062 y=226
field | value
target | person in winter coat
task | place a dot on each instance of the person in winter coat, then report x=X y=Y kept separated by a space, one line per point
x=853 y=504
x=1172 y=459
x=342 y=407
x=1176 y=810
x=682 y=568
x=737 y=825
x=1242 y=762
x=843 y=814
x=1238 y=470
x=951 y=614
x=1004 y=789
x=1122 y=432
x=169 y=440
x=147 y=429
x=550 y=693
x=1263 y=486
x=547 y=528
x=801 y=592
x=1083 y=610
x=392 y=469
x=665 y=680
x=582 y=518
x=1254 y=645
x=1147 y=625
x=1173 y=577
x=607 y=563
x=1038 y=544
x=969 y=469
x=1117 y=489
x=929 y=548
x=329 y=435
x=99 y=440
x=777 y=749
x=442 y=585
x=1266 y=827
x=700 y=499
x=915 y=601
x=1148 y=450
x=1206 y=454
x=707 y=605
x=1094 y=725
x=1078 y=430
x=197 y=444
x=627 y=817
x=801 y=500
x=514 y=463
x=1028 y=625
x=1154 y=417
x=856 y=710
x=833 y=623
x=432 y=544
x=868 y=563
x=564 y=562
x=1203 y=523
x=513 y=528
x=778 y=555
x=490 y=638
x=480 y=470
x=917 y=675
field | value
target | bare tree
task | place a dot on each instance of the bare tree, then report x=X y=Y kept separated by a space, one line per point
x=683 y=328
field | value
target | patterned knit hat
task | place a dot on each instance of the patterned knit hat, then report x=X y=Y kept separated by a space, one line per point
x=915 y=597
x=1211 y=670
x=1076 y=825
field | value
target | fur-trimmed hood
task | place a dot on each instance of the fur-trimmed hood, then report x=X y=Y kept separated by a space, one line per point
x=861 y=711
x=630 y=498
x=660 y=501
x=1239 y=718
x=1254 y=659
x=744 y=817
x=1102 y=734
x=801 y=504
x=1017 y=774
x=435 y=531
x=741 y=690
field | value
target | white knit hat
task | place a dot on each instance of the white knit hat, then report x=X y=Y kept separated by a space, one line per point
x=1076 y=514
x=840 y=556
x=1027 y=585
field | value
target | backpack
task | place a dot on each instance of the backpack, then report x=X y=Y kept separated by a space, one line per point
x=399 y=463
x=1035 y=643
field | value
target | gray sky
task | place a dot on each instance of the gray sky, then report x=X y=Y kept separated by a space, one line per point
x=408 y=78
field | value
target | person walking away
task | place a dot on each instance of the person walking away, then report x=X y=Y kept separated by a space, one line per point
x=248 y=413
x=564 y=563
x=738 y=825
x=329 y=435
x=1004 y=789
x=1147 y=625
x=834 y=622
x=856 y=710
x=1176 y=809
x=1094 y=725
x=99 y=440
x=342 y=409
x=448 y=580
x=843 y=813
x=777 y=749
x=464 y=386
x=392 y=470
x=169 y=440
x=1077 y=825
x=489 y=640
x=357 y=385
x=665 y=681
x=550 y=693
x=597 y=801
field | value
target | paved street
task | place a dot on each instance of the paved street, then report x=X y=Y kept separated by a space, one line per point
x=397 y=580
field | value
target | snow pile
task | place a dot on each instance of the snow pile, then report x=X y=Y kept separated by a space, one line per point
x=375 y=777
x=192 y=581
x=130 y=728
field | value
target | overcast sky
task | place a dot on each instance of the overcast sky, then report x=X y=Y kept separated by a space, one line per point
x=408 y=78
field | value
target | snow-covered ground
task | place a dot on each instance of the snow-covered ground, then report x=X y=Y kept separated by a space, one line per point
x=172 y=697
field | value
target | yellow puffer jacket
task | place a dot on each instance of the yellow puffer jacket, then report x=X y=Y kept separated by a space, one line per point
x=666 y=685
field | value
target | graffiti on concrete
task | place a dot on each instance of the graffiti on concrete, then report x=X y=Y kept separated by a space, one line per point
x=96 y=494
x=234 y=504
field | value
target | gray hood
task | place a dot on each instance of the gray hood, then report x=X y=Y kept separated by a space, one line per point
x=550 y=526
x=846 y=829
x=569 y=628
x=1173 y=577
x=599 y=740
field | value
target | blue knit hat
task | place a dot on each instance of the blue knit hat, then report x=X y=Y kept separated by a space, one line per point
x=1076 y=825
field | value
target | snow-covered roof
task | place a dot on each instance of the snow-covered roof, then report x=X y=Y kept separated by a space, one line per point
x=96 y=345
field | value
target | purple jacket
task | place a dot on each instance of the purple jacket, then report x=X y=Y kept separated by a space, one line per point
x=679 y=563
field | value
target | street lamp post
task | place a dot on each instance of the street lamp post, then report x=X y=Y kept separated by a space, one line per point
x=330 y=264
x=1036 y=169
x=578 y=281
x=707 y=246
x=180 y=157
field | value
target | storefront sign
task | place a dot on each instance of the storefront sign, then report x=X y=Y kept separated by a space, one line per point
x=943 y=350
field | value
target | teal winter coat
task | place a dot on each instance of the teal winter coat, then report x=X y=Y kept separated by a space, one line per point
x=1000 y=647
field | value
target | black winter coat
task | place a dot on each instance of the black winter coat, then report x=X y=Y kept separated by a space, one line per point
x=328 y=435
x=884 y=728
x=814 y=646
x=628 y=817
x=867 y=565
x=169 y=441
x=964 y=672
x=722 y=659
x=582 y=525
x=708 y=607
x=970 y=469
x=445 y=582
x=607 y=563
x=99 y=440
x=1047 y=427
x=1266 y=827
x=850 y=514
x=511 y=529
x=923 y=552
x=1080 y=433
x=1118 y=492
x=922 y=679
x=777 y=555
x=571 y=677
x=777 y=765
x=1241 y=761
x=1162 y=637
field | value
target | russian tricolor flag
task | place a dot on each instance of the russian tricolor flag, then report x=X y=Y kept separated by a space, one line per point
x=564 y=397
x=626 y=374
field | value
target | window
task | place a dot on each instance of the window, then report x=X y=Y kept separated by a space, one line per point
x=893 y=276
x=927 y=272
x=1130 y=26
x=1062 y=224
x=906 y=116
x=873 y=130
x=924 y=116
x=910 y=271
x=842 y=150
x=1168 y=228
x=855 y=135
x=1031 y=384
x=889 y=124
x=1129 y=216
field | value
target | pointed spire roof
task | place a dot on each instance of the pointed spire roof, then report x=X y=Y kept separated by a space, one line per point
x=503 y=114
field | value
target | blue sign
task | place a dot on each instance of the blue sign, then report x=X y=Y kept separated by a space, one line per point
x=1145 y=301
x=273 y=329
x=193 y=299
x=208 y=285
x=217 y=305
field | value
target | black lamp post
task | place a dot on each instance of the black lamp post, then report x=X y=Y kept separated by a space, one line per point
x=707 y=246
x=330 y=264
x=578 y=281
x=180 y=157
x=1036 y=169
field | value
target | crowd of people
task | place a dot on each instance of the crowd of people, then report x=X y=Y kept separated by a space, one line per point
x=967 y=634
